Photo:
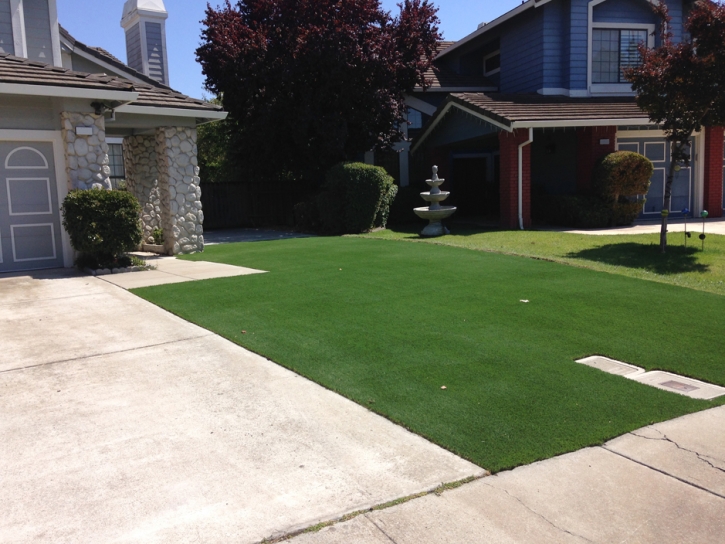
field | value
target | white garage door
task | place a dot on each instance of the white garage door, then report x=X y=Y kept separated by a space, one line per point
x=30 y=235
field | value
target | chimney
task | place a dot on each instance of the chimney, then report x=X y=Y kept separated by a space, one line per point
x=144 y=22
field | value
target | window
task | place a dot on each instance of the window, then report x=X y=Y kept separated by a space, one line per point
x=613 y=50
x=415 y=119
x=115 y=162
x=492 y=63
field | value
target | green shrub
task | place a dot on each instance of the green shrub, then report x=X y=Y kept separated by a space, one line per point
x=355 y=198
x=620 y=179
x=158 y=236
x=102 y=224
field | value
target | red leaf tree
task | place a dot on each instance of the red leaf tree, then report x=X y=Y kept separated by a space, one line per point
x=682 y=85
x=310 y=83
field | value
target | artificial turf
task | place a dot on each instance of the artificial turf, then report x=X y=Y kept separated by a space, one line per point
x=387 y=324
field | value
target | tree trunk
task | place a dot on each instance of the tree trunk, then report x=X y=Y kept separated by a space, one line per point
x=675 y=158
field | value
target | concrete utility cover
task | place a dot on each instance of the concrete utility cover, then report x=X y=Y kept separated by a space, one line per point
x=611 y=366
x=679 y=384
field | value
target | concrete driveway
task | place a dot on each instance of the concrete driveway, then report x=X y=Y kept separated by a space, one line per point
x=123 y=423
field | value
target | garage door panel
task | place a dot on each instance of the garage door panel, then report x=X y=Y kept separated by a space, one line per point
x=33 y=242
x=30 y=231
x=29 y=196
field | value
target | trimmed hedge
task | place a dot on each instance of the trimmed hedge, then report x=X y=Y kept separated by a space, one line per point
x=102 y=224
x=620 y=179
x=355 y=198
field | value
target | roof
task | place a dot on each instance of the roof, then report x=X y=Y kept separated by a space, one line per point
x=442 y=78
x=23 y=71
x=512 y=111
x=16 y=70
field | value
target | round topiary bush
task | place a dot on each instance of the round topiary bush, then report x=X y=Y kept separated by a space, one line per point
x=621 y=178
x=355 y=198
x=102 y=224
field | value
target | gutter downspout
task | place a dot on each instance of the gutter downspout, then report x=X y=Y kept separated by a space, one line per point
x=521 y=176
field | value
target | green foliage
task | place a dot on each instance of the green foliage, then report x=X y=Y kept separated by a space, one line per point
x=622 y=173
x=102 y=224
x=619 y=180
x=355 y=198
x=158 y=235
x=215 y=144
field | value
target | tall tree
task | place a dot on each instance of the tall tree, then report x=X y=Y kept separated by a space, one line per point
x=682 y=85
x=314 y=82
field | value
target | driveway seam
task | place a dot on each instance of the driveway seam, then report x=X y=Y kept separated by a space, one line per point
x=691 y=484
x=29 y=301
x=367 y=517
x=105 y=353
x=530 y=509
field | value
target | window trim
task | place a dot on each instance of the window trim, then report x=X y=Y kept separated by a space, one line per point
x=611 y=88
x=489 y=56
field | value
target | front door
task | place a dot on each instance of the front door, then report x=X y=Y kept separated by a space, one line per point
x=658 y=151
x=30 y=236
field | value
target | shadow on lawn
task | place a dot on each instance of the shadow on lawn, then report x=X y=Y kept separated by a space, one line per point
x=677 y=260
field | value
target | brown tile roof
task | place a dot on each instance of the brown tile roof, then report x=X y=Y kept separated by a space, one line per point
x=511 y=108
x=441 y=77
x=23 y=71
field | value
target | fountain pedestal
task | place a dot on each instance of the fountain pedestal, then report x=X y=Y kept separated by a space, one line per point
x=434 y=212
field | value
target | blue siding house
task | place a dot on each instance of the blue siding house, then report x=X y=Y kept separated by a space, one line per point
x=529 y=102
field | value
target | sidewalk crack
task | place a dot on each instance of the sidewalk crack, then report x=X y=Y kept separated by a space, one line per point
x=554 y=525
x=665 y=438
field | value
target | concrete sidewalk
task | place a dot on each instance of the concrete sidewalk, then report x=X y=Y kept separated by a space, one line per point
x=123 y=423
x=712 y=226
x=661 y=484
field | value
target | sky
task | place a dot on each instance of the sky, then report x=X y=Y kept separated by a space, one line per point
x=97 y=23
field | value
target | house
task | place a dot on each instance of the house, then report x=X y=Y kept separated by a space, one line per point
x=528 y=103
x=76 y=117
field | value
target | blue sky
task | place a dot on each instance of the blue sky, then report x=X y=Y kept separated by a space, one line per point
x=97 y=23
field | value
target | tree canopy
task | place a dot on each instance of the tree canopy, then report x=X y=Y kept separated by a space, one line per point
x=682 y=85
x=311 y=83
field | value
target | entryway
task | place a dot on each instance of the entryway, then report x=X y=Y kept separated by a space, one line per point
x=30 y=229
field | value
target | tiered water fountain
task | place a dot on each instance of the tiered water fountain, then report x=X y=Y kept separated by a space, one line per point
x=434 y=212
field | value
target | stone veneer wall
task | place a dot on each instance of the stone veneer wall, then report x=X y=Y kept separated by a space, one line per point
x=86 y=156
x=182 y=219
x=142 y=178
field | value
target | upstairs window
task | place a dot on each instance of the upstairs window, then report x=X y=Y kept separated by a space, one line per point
x=492 y=63
x=415 y=119
x=613 y=50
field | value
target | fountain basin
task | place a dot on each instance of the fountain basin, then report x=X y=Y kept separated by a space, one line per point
x=435 y=215
x=435 y=197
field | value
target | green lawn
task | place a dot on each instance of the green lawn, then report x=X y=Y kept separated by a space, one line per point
x=388 y=323
x=637 y=256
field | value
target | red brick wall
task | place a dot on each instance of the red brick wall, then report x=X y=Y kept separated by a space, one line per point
x=712 y=200
x=589 y=151
x=510 y=178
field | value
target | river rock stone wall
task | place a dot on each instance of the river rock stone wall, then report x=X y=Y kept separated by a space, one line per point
x=183 y=218
x=142 y=180
x=86 y=155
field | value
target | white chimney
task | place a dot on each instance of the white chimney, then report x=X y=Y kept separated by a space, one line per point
x=145 y=24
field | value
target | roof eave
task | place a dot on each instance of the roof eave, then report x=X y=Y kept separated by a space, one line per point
x=209 y=115
x=27 y=89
